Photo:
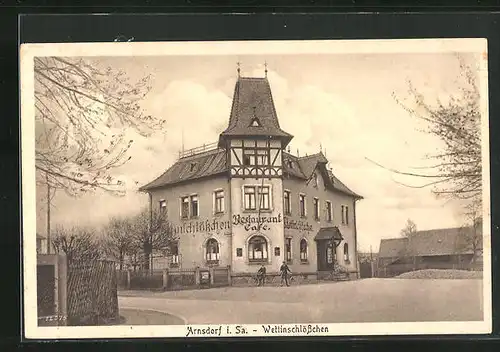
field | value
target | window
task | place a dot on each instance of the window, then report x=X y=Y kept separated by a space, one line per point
x=194 y=206
x=254 y=155
x=257 y=249
x=212 y=251
x=239 y=252
x=346 y=253
x=249 y=197
x=287 y=203
x=303 y=250
x=302 y=204
x=288 y=249
x=163 y=206
x=219 y=201
x=250 y=194
x=174 y=255
x=185 y=207
x=345 y=215
x=264 y=198
x=189 y=207
x=316 y=208
x=329 y=216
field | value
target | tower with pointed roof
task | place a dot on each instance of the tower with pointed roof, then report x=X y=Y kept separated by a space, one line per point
x=254 y=143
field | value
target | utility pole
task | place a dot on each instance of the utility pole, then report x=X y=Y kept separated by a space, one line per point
x=48 y=213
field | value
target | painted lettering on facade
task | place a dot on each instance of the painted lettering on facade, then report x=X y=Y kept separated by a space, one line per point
x=201 y=226
x=297 y=225
x=256 y=223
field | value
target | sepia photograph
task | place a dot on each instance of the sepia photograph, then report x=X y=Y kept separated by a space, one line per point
x=260 y=188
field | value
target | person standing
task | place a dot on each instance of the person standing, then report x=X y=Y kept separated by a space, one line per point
x=261 y=275
x=285 y=271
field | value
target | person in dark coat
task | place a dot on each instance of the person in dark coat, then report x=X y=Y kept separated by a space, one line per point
x=285 y=271
x=261 y=275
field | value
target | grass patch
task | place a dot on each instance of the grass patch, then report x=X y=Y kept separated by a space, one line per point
x=441 y=274
x=148 y=317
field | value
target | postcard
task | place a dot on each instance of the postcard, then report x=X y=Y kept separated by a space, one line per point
x=255 y=188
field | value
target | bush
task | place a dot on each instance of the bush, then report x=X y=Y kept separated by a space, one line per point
x=441 y=274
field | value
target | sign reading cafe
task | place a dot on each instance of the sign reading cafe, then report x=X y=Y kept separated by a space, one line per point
x=251 y=223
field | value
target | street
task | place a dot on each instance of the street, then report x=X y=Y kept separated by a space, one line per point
x=369 y=300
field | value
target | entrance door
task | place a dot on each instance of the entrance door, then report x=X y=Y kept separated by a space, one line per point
x=326 y=255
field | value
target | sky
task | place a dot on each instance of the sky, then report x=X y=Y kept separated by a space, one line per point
x=342 y=102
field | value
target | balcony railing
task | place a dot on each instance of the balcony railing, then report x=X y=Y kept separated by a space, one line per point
x=197 y=150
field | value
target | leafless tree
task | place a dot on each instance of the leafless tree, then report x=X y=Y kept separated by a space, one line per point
x=118 y=240
x=471 y=233
x=409 y=229
x=456 y=171
x=152 y=232
x=83 y=110
x=78 y=243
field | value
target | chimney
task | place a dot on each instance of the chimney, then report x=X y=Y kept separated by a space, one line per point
x=298 y=155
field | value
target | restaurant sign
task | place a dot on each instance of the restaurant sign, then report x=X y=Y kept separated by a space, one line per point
x=256 y=223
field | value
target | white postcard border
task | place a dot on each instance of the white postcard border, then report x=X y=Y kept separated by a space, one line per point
x=28 y=201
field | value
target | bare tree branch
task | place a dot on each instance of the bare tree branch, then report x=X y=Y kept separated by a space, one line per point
x=457 y=172
x=83 y=111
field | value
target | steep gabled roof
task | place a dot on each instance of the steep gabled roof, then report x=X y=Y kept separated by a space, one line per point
x=304 y=167
x=190 y=168
x=253 y=101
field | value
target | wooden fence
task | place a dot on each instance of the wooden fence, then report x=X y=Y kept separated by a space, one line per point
x=185 y=279
x=92 y=293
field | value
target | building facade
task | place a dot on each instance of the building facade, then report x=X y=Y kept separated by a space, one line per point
x=245 y=200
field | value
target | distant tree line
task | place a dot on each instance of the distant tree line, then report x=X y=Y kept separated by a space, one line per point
x=125 y=240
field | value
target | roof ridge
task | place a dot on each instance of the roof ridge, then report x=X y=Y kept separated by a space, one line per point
x=309 y=156
x=252 y=78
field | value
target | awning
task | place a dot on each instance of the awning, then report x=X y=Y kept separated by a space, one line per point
x=328 y=233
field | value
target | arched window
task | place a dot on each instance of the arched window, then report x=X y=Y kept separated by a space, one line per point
x=346 y=253
x=257 y=249
x=303 y=250
x=212 y=251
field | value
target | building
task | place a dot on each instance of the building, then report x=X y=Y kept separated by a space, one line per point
x=244 y=200
x=451 y=248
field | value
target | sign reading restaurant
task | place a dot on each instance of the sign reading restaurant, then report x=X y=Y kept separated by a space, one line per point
x=255 y=223
x=249 y=223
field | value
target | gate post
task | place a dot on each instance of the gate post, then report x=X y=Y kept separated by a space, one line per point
x=165 y=279
x=197 y=276
x=63 y=289
x=211 y=275
x=229 y=275
x=128 y=279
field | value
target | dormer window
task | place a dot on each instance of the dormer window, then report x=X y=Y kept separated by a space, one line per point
x=255 y=122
